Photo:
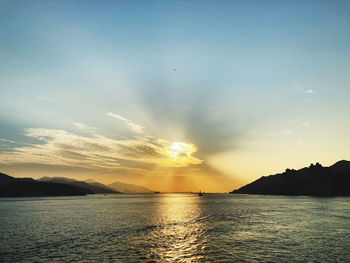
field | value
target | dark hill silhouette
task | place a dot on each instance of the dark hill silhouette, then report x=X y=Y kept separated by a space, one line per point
x=5 y=179
x=20 y=188
x=17 y=187
x=97 y=188
x=11 y=187
x=315 y=180
x=130 y=188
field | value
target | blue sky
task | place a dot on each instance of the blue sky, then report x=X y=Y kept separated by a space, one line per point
x=263 y=82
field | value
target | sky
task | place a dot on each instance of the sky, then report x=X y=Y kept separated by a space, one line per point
x=173 y=95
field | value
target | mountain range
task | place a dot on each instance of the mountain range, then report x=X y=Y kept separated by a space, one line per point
x=16 y=187
x=314 y=180
x=94 y=187
x=56 y=186
x=130 y=188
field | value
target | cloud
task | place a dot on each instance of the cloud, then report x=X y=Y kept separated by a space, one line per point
x=82 y=126
x=303 y=123
x=4 y=140
x=58 y=147
x=297 y=86
x=133 y=126
x=117 y=116
x=14 y=142
x=306 y=124
x=300 y=88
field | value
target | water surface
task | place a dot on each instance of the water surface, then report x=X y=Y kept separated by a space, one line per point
x=175 y=228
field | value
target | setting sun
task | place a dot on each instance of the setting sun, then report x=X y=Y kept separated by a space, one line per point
x=179 y=150
x=180 y=153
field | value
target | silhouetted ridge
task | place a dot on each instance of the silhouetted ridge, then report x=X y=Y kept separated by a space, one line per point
x=18 y=187
x=5 y=179
x=340 y=166
x=34 y=188
x=129 y=188
x=94 y=187
x=315 y=180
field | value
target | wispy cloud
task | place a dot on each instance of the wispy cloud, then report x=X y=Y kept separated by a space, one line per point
x=297 y=86
x=4 y=140
x=309 y=91
x=14 y=142
x=306 y=124
x=60 y=147
x=300 y=88
x=82 y=126
x=133 y=126
x=301 y=122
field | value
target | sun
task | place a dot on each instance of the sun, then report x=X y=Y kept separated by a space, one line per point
x=180 y=151
x=179 y=154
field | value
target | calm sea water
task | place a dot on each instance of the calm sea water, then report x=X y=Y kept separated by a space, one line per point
x=175 y=228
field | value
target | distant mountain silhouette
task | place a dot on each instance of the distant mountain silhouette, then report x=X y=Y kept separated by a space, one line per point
x=5 y=179
x=92 y=182
x=94 y=187
x=315 y=180
x=129 y=188
x=17 y=187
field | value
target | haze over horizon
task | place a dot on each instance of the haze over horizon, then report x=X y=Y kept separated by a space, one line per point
x=173 y=95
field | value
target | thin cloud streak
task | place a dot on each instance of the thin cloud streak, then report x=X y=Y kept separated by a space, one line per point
x=304 y=123
x=133 y=126
x=14 y=142
x=82 y=126
x=310 y=91
x=300 y=88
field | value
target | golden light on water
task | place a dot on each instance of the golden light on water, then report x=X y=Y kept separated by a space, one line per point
x=182 y=229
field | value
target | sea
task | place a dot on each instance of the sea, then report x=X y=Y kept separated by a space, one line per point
x=175 y=228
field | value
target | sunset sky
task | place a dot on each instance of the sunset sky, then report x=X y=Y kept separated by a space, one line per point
x=173 y=95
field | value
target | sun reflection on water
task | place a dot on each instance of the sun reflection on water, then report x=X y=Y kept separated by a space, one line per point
x=182 y=235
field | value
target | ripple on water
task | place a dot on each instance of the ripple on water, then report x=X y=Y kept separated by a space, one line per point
x=175 y=228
